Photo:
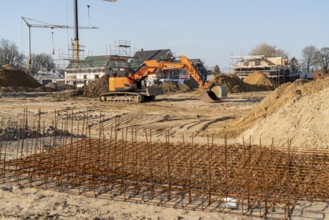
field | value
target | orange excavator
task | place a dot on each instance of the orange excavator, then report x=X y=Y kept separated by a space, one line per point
x=129 y=89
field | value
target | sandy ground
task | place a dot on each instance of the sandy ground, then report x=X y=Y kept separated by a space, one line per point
x=180 y=114
x=31 y=203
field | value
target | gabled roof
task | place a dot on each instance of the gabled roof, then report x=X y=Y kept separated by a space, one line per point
x=196 y=61
x=88 y=62
x=96 y=61
x=143 y=55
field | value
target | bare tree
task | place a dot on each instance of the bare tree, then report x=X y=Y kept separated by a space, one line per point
x=309 y=56
x=322 y=58
x=217 y=70
x=40 y=61
x=294 y=65
x=9 y=54
x=268 y=50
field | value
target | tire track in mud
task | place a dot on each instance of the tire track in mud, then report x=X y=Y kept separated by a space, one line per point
x=175 y=124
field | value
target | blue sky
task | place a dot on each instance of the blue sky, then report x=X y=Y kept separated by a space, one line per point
x=212 y=30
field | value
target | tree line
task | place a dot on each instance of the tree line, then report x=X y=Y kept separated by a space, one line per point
x=9 y=54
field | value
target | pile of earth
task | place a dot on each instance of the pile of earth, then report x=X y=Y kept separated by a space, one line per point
x=254 y=82
x=52 y=86
x=12 y=77
x=261 y=80
x=172 y=87
x=57 y=87
x=318 y=74
x=290 y=96
x=97 y=87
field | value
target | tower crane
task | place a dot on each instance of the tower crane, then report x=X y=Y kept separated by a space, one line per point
x=50 y=26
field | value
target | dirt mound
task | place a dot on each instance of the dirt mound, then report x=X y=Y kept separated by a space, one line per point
x=13 y=77
x=260 y=79
x=319 y=74
x=99 y=86
x=235 y=85
x=304 y=121
x=286 y=93
x=52 y=86
x=170 y=87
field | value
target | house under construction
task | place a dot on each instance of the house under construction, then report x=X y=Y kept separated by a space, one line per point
x=276 y=68
x=93 y=67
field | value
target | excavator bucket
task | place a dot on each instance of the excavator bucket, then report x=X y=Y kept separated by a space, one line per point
x=154 y=90
x=216 y=94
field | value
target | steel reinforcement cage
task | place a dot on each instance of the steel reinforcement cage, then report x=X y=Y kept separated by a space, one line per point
x=247 y=179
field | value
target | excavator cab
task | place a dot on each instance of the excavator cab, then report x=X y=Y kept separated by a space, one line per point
x=120 y=84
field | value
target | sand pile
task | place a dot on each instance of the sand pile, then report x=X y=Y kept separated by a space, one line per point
x=233 y=83
x=170 y=87
x=255 y=82
x=260 y=79
x=13 y=77
x=319 y=74
x=304 y=120
x=53 y=86
x=99 y=86
x=288 y=94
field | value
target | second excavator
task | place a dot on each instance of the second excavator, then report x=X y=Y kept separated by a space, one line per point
x=129 y=89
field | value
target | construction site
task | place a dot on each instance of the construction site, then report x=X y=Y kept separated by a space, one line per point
x=259 y=152
x=149 y=135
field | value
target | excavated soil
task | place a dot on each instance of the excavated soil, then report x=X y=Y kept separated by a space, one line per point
x=170 y=87
x=256 y=82
x=13 y=77
x=303 y=120
x=260 y=79
x=295 y=105
x=94 y=89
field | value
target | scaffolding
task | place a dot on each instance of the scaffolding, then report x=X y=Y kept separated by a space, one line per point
x=275 y=68
x=121 y=48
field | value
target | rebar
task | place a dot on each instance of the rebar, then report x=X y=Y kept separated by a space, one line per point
x=255 y=178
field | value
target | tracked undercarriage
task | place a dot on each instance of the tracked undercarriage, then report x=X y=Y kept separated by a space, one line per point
x=137 y=96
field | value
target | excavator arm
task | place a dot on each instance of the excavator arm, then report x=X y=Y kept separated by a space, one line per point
x=150 y=67
x=129 y=88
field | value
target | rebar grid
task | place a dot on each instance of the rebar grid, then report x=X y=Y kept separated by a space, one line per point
x=186 y=175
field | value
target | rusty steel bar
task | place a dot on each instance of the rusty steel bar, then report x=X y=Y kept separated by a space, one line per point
x=233 y=178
